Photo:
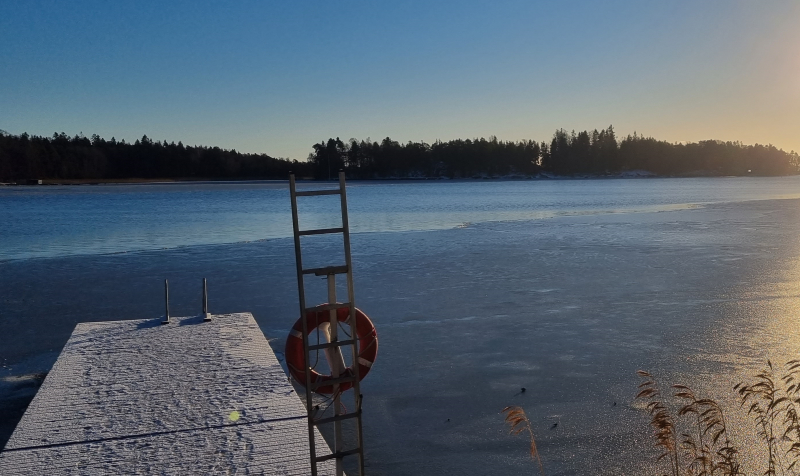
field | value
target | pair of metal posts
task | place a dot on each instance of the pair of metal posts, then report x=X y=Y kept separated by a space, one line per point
x=333 y=347
x=206 y=314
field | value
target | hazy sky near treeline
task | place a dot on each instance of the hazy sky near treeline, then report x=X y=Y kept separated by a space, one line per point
x=278 y=76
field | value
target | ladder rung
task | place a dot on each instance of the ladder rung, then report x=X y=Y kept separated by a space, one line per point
x=338 y=343
x=310 y=193
x=332 y=419
x=320 y=231
x=326 y=270
x=328 y=307
x=339 y=454
x=333 y=381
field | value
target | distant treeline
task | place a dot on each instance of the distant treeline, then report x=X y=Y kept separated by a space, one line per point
x=26 y=157
x=585 y=153
x=567 y=154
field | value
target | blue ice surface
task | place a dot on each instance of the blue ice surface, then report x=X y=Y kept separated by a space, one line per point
x=568 y=307
x=51 y=221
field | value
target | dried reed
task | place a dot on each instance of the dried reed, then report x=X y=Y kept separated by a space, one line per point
x=519 y=422
x=705 y=447
x=661 y=420
x=695 y=440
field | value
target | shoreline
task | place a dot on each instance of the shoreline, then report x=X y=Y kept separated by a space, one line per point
x=634 y=174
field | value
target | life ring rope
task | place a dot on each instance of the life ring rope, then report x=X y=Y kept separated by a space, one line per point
x=366 y=340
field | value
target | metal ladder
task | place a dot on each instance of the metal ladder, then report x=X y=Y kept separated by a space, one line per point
x=333 y=347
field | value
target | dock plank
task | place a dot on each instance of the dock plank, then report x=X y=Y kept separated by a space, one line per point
x=138 y=397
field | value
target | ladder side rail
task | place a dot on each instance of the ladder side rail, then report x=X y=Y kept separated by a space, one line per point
x=352 y=320
x=336 y=364
x=301 y=293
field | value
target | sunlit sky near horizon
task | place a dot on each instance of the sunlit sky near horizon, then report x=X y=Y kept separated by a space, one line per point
x=276 y=77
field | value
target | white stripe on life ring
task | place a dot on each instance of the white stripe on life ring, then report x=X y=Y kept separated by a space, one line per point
x=296 y=333
x=364 y=362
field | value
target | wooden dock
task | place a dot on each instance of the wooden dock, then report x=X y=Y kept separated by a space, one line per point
x=188 y=397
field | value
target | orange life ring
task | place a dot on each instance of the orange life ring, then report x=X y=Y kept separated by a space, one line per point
x=366 y=341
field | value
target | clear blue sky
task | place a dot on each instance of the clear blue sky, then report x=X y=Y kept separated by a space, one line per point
x=276 y=77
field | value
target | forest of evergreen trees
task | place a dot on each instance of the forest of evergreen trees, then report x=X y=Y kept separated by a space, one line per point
x=567 y=154
x=27 y=157
x=595 y=153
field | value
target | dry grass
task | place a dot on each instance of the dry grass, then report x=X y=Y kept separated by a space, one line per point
x=694 y=439
x=705 y=448
x=519 y=422
x=661 y=420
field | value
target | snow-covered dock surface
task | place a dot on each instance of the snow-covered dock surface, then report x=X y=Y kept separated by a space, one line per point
x=189 y=397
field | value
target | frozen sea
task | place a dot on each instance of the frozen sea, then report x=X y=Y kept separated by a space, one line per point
x=477 y=289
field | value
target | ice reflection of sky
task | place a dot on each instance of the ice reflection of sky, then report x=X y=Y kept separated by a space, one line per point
x=754 y=318
x=60 y=221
